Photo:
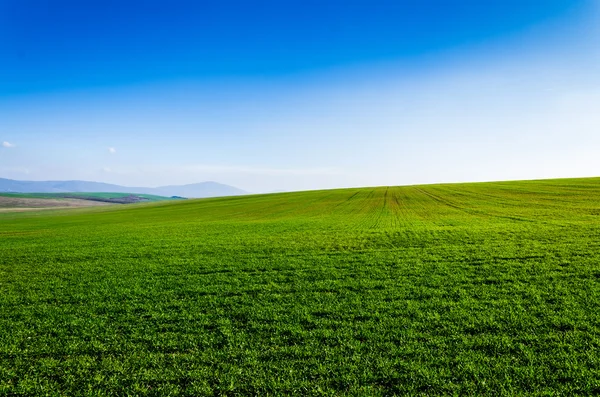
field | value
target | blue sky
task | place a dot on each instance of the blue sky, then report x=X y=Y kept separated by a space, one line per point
x=290 y=95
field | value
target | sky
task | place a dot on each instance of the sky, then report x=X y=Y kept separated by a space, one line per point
x=297 y=95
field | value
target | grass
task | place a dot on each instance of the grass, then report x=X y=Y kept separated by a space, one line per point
x=462 y=289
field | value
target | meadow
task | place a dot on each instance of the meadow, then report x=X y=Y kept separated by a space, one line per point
x=457 y=289
x=87 y=196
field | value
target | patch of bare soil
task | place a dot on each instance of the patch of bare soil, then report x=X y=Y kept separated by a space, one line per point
x=30 y=204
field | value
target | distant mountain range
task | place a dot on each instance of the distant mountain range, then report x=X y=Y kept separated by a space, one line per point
x=195 y=190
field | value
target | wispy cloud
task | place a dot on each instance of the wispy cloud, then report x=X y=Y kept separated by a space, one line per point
x=8 y=144
x=248 y=177
x=112 y=150
x=259 y=170
x=8 y=171
x=224 y=169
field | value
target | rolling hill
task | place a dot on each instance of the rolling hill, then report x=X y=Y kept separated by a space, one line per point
x=196 y=190
x=38 y=201
x=457 y=289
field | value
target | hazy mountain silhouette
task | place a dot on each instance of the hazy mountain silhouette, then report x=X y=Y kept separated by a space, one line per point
x=195 y=190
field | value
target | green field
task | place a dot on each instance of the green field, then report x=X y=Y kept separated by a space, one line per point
x=459 y=289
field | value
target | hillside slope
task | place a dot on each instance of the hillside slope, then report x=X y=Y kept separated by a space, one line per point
x=459 y=289
x=49 y=199
x=196 y=190
x=16 y=203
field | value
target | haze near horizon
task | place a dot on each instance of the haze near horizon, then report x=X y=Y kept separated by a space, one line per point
x=298 y=95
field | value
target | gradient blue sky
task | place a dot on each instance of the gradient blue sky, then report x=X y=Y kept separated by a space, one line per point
x=291 y=95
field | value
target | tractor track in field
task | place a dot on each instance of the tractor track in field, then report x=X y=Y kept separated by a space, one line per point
x=472 y=212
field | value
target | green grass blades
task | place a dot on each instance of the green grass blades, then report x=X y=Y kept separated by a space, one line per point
x=462 y=289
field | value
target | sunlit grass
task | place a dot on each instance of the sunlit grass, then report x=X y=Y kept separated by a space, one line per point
x=464 y=289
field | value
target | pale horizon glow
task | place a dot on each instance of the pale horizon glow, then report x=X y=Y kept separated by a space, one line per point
x=517 y=107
